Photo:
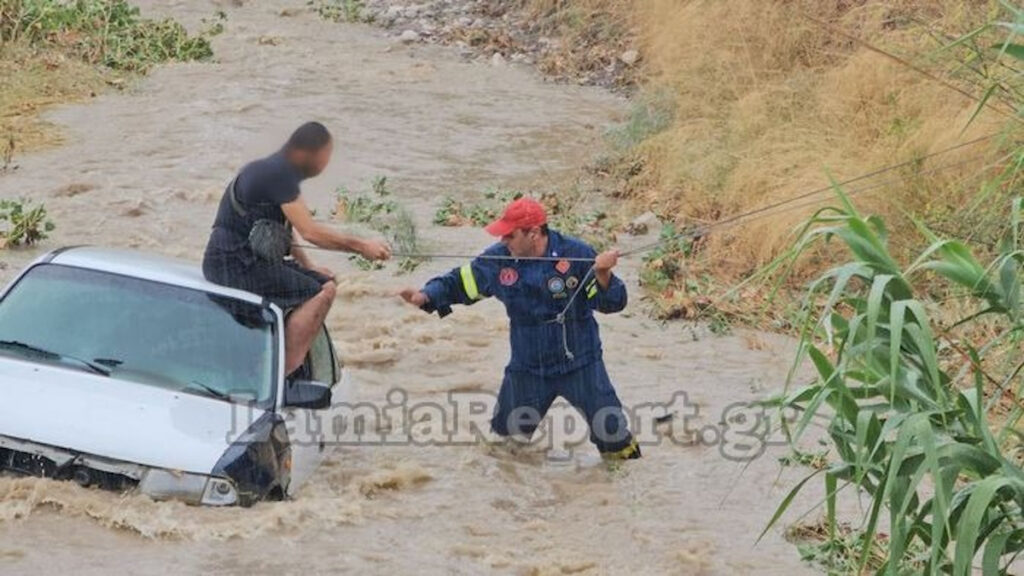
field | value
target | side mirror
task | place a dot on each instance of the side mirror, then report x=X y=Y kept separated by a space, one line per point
x=307 y=394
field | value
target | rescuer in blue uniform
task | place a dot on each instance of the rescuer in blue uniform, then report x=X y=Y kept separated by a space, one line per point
x=550 y=285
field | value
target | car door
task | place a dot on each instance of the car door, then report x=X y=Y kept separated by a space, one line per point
x=311 y=431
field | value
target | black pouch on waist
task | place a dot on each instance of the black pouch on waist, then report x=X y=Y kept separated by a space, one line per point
x=268 y=239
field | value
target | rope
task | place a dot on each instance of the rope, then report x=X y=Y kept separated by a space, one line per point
x=732 y=220
x=791 y=203
x=428 y=255
x=560 y=318
x=700 y=314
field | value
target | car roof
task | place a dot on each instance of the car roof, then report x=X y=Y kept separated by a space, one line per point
x=145 y=266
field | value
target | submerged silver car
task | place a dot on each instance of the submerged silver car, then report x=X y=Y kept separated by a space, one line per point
x=129 y=371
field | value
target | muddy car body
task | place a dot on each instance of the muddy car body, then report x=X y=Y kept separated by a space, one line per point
x=129 y=371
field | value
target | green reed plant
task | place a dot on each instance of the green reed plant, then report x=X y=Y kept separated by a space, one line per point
x=908 y=405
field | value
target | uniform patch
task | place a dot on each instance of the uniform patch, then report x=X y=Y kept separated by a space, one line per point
x=556 y=285
x=572 y=282
x=508 y=276
x=562 y=266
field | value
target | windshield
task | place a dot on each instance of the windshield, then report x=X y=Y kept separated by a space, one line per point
x=142 y=331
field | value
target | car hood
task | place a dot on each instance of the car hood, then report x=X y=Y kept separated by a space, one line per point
x=117 y=419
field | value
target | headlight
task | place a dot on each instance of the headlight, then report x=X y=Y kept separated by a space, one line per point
x=220 y=492
x=191 y=488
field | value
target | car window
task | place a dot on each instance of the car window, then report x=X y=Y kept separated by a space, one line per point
x=321 y=360
x=145 y=332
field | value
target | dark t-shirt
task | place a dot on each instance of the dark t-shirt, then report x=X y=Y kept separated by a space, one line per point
x=261 y=187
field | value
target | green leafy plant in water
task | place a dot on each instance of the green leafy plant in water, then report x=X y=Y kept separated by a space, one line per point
x=453 y=212
x=22 y=224
x=404 y=240
x=378 y=211
x=450 y=213
x=564 y=214
x=110 y=33
x=568 y=212
x=340 y=10
x=364 y=208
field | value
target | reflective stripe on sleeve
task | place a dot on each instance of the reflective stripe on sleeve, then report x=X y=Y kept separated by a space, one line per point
x=469 y=282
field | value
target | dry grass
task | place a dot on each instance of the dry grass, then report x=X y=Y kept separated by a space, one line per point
x=34 y=81
x=766 y=101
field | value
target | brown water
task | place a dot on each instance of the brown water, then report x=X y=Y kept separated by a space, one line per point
x=146 y=168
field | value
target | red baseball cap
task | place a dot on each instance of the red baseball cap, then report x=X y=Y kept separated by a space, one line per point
x=521 y=214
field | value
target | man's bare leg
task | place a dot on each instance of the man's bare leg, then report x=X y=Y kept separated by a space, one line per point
x=303 y=325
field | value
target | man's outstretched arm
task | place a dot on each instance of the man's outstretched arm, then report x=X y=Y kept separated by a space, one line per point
x=315 y=233
x=466 y=285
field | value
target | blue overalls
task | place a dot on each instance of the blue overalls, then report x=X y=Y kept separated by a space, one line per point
x=552 y=355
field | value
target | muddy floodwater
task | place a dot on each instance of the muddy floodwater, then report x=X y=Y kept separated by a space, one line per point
x=145 y=169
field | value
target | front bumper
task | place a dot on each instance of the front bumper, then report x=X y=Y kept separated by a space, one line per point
x=31 y=459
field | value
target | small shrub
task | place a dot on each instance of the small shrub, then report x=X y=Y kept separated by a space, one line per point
x=563 y=208
x=340 y=10
x=454 y=212
x=378 y=211
x=23 y=224
x=663 y=266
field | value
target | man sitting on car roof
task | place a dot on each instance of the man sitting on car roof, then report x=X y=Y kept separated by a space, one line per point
x=250 y=246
